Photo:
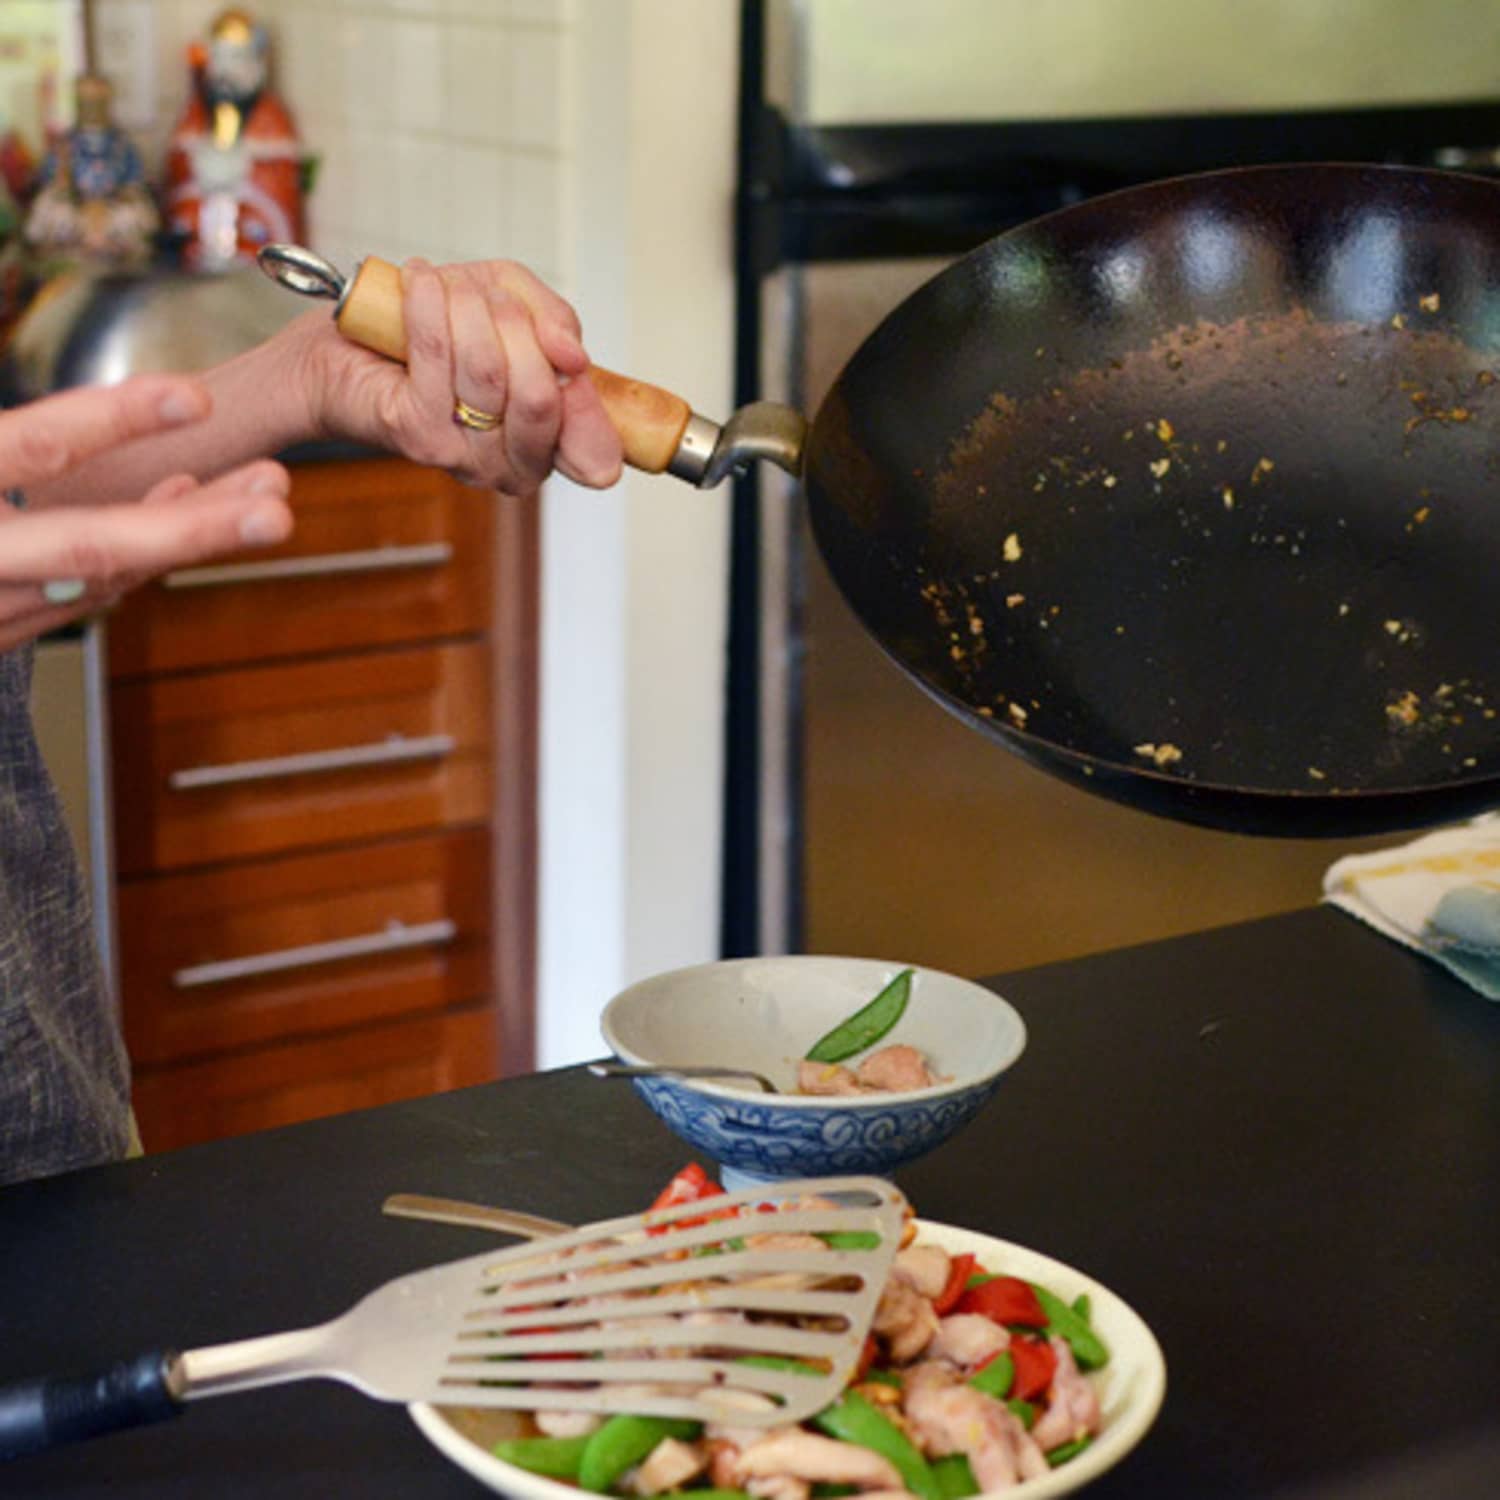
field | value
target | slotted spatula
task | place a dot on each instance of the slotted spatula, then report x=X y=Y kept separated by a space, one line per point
x=702 y=1310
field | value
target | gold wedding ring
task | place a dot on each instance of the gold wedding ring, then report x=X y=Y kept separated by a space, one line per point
x=476 y=421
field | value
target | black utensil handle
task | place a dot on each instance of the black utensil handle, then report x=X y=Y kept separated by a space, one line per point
x=52 y=1410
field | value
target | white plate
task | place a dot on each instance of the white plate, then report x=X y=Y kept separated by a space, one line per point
x=1130 y=1386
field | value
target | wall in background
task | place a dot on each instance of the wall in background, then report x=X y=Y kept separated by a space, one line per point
x=1017 y=59
x=593 y=140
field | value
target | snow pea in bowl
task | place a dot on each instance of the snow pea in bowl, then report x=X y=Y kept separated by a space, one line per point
x=766 y=1015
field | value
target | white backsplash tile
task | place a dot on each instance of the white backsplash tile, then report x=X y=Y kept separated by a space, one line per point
x=534 y=90
x=483 y=201
x=308 y=66
x=424 y=197
x=476 y=81
x=368 y=43
x=544 y=12
x=480 y=10
x=418 y=101
x=535 y=198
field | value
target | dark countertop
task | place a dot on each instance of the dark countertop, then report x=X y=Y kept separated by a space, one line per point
x=1279 y=1141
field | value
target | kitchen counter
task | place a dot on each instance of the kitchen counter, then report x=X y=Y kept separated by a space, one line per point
x=1279 y=1141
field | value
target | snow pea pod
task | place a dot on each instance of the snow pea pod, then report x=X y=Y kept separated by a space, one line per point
x=556 y=1457
x=996 y=1378
x=867 y=1025
x=855 y=1420
x=954 y=1476
x=851 y=1239
x=1024 y=1410
x=1064 y=1451
x=622 y=1442
x=781 y=1362
x=1088 y=1348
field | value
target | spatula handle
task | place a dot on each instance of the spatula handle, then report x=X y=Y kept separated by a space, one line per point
x=651 y=421
x=52 y=1410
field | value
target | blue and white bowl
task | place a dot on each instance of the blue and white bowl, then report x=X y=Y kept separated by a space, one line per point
x=763 y=1014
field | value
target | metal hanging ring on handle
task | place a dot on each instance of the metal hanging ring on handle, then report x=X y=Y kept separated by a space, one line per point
x=303 y=271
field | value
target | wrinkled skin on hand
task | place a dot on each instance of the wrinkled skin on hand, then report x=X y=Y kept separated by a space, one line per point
x=491 y=334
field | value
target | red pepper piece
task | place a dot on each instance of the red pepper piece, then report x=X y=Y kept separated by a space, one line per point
x=691 y=1185
x=1036 y=1364
x=1006 y=1299
x=960 y=1268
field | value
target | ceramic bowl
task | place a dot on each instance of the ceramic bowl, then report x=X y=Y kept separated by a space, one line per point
x=763 y=1014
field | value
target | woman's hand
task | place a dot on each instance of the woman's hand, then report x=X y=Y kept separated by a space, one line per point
x=65 y=561
x=491 y=335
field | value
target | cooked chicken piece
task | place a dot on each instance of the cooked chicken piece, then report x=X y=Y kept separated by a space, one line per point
x=926 y=1267
x=895 y=1069
x=669 y=1466
x=779 y=1487
x=1073 y=1404
x=826 y=1078
x=820 y=1460
x=946 y=1415
x=785 y=1242
x=567 y=1423
x=968 y=1339
x=904 y=1319
x=725 y=1434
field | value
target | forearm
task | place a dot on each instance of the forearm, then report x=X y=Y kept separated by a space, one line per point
x=259 y=409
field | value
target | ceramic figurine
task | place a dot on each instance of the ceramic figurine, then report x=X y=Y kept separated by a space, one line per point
x=234 y=171
x=92 y=200
x=17 y=166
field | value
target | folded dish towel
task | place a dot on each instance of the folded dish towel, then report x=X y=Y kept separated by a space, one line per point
x=1439 y=895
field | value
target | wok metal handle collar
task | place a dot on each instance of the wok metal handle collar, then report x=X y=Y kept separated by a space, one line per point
x=661 y=433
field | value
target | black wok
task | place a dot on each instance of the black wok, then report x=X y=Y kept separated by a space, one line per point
x=1188 y=494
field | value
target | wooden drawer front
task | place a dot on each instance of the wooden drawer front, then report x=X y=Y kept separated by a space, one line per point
x=307 y=1080
x=260 y=761
x=285 y=947
x=384 y=552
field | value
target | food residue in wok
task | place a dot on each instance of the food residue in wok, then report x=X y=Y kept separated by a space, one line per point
x=1406 y=709
x=1011 y=550
x=1164 y=755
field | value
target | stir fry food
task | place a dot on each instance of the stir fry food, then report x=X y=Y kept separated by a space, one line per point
x=971 y=1381
x=888 y=1070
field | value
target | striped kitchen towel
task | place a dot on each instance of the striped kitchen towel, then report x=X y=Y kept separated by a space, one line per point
x=1439 y=894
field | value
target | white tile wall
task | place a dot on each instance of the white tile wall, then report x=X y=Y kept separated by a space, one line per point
x=441 y=124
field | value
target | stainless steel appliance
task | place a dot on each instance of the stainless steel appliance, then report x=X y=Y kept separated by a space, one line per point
x=862 y=818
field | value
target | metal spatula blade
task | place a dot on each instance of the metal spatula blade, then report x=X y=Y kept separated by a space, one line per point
x=702 y=1310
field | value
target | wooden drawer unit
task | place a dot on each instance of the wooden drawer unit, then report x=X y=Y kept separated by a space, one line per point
x=324 y=804
x=216 y=766
x=270 y=1086
x=384 y=552
x=264 y=951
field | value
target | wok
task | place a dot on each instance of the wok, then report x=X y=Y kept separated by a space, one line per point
x=1188 y=494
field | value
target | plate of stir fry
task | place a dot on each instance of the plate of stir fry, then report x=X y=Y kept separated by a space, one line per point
x=990 y=1369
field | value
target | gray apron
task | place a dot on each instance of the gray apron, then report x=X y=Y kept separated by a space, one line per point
x=64 y=1078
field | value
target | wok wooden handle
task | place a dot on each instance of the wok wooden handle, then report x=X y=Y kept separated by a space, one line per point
x=650 y=420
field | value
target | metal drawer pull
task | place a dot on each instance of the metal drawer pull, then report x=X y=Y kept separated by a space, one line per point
x=396 y=937
x=393 y=751
x=325 y=565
